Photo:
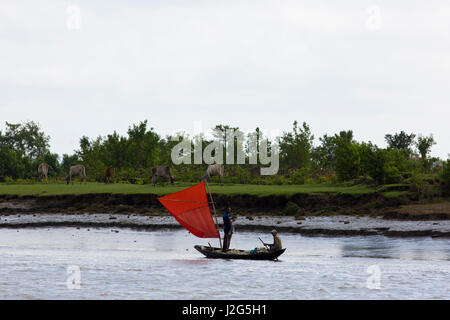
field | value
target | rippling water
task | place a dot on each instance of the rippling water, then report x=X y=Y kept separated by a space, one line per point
x=163 y=265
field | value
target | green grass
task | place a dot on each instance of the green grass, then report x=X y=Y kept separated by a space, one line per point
x=395 y=194
x=259 y=190
x=393 y=187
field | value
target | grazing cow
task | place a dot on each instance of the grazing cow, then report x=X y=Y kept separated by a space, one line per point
x=161 y=171
x=109 y=175
x=77 y=170
x=43 y=171
x=214 y=170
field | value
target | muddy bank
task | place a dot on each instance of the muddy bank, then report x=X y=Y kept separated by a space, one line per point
x=375 y=204
x=309 y=226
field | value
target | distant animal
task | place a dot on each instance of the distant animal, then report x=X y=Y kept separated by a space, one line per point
x=43 y=171
x=161 y=171
x=109 y=175
x=213 y=170
x=77 y=170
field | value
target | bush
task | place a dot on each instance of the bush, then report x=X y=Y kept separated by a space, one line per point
x=300 y=176
x=258 y=180
x=9 y=179
x=276 y=179
x=445 y=179
x=384 y=166
x=126 y=175
x=241 y=175
x=347 y=160
x=187 y=174
x=291 y=209
x=25 y=181
x=392 y=175
x=419 y=184
x=367 y=180
x=327 y=178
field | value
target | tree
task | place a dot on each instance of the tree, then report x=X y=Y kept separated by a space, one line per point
x=401 y=141
x=296 y=147
x=445 y=178
x=372 y=161
x=68 y=161
x=22 y=148
x=424 y=145
x=223 y=133
x=323 y=155
x=12 y=164
x=90 y=155
x=143 y=149
x=27 y=138
x=347 y=156
x=252 y=145
x=114 y=151
x=384 y=166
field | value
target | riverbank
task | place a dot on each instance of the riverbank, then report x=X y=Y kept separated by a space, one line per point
x=244 y=204
x=390 y=202
x=308 y=226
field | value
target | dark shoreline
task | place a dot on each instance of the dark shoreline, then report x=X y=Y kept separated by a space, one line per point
x=303 y=232
x=310 y=226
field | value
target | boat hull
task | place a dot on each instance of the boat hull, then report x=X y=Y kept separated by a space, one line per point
x=216 y=253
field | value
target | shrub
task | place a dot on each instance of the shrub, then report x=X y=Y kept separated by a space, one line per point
x=9 y=179
x=126 y=175
x=25 y=181
x=300 y=176
x=258 y=180
x=392 y=175
x=291 y=209
x=445 y=179
x=347 y=160
x=420 y=185
x=327 y=178
x=276 y=179
x=242 y=175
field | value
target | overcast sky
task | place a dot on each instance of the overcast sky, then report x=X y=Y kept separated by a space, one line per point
x=373 y=67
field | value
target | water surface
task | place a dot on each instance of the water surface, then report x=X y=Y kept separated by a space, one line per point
x=163 y=265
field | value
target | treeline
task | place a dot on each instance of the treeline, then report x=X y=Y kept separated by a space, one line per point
x=337 y=158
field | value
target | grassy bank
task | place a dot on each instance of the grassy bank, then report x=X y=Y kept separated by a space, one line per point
x=391 y=201
x=228 y=189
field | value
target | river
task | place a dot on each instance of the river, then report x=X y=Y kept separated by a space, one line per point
x=103 y=263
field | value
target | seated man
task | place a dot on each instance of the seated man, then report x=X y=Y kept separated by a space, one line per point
x=276 y=242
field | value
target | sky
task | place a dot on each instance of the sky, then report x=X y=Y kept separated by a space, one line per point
x=94 y=67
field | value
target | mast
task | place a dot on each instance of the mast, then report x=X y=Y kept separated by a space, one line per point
x=214 y=209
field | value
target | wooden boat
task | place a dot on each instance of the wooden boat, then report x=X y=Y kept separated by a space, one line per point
x=217 y=253
x=190 y=207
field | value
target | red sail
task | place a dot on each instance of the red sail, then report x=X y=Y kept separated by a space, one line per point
x=190 y=208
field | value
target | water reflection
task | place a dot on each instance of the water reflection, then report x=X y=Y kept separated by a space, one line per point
x=395 y=248
x=369 y=247
x=196 y=262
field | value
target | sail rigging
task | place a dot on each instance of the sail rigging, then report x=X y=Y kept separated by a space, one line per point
x=190 y=208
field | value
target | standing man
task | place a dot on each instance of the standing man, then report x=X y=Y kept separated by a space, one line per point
x=227 y=229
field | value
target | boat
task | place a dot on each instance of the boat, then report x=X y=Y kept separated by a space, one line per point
x=190 y=207
x=217 y=253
